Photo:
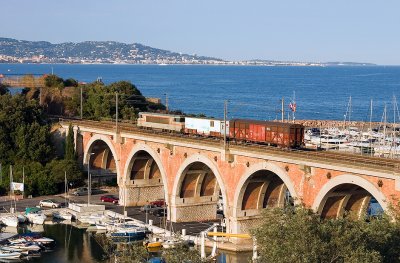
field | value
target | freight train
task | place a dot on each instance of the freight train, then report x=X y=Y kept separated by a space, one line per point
x=285 y=135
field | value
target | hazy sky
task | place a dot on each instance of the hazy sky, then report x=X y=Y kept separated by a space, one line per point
x=303 y=30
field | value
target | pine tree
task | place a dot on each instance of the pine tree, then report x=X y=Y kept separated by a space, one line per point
x=69 y=145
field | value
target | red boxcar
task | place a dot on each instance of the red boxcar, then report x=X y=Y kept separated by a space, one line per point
x=275 y=133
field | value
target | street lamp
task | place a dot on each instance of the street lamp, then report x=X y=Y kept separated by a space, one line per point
x=89 y=178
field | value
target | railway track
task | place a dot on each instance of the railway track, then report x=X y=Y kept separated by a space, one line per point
x=367 y=162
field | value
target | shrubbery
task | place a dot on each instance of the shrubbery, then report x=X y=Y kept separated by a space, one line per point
x=25 y=144
x=300 y=235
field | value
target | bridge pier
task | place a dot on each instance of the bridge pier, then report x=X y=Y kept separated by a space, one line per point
x=139 y=195
x=194 y=209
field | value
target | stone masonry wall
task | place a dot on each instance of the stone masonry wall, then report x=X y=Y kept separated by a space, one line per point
x=141 y=195
x=190 y=213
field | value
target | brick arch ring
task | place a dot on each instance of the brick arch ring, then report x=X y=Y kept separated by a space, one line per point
x=182 y=172
x=143 y=147
x=280 y=172
x=106 y=140
x=321 y=198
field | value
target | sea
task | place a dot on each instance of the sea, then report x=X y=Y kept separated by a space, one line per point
x=253 y=92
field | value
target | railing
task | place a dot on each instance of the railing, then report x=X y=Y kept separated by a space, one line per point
x=374 y=163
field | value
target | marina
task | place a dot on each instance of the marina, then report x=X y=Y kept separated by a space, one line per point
x=118 y=227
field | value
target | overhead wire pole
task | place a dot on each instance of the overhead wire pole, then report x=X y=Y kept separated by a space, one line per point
x=116 y=111
x=283 y=109
x=225 y=126
x=81 y=103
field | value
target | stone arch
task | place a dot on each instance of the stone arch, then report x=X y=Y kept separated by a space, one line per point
x=105 y=139
x=345 y=180
x=181 y=174
x=253 y=169
x=141 y=147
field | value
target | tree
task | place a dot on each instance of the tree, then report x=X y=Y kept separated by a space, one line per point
x=70 y=83
x=54 y=81
x=70 y=145
x=3 y=89
x=123 y=87
x=182 y=253
x=300 y=235
x=57 y=169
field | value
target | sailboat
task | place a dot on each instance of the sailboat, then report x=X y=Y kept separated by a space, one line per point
x=11 y=219
x=127 y=231
x=63 y=214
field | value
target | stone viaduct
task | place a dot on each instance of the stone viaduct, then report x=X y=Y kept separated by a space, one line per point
x=193 y=174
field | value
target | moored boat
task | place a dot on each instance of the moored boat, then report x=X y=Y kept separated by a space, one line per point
x=35 y=215
x=10 y=220
x=62 y=215
x=4 y=254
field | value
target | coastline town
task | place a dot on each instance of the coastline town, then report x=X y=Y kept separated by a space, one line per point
x=141 y=209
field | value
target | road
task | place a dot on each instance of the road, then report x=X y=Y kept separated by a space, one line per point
x=192 y=228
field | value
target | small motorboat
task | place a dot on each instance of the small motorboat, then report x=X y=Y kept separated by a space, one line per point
x=35 y=215
x=4 y=254
x=91 y=219
x=155 y=244
x=129 y=233
x=62 y=215
x=26 y=247
x=10 y=220
x=171 y=243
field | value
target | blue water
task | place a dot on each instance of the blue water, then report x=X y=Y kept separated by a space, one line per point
x=253 y=92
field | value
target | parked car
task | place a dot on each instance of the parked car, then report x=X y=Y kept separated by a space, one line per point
x=159 y=203
x=49 y=203
x=109 y=199
x=148 y=208
x=81 y=191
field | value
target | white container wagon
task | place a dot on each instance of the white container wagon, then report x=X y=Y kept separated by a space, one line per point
x=205 y=126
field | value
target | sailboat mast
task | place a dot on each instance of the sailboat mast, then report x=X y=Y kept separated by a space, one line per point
x=349 y=110
x=294 y=105
x=11 y=188
x=384 y=124
x=370 y=116
x=65 y=186
x=23 y=179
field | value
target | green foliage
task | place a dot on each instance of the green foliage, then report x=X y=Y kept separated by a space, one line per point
x=123 y=252
x=57 y=169
x=136 y=252
x=70 y=83
x=24 y=134
x=53 y=81
x=182 y=253
x=123 y=87
x=100 y=101
x=70 y=145
x=3 y=89
x=25 y=143
x=301 y=236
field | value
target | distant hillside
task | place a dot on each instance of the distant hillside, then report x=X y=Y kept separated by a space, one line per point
x=92 y=52
x=88 y=52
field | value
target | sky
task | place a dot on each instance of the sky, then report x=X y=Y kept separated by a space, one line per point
x=293 y=30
